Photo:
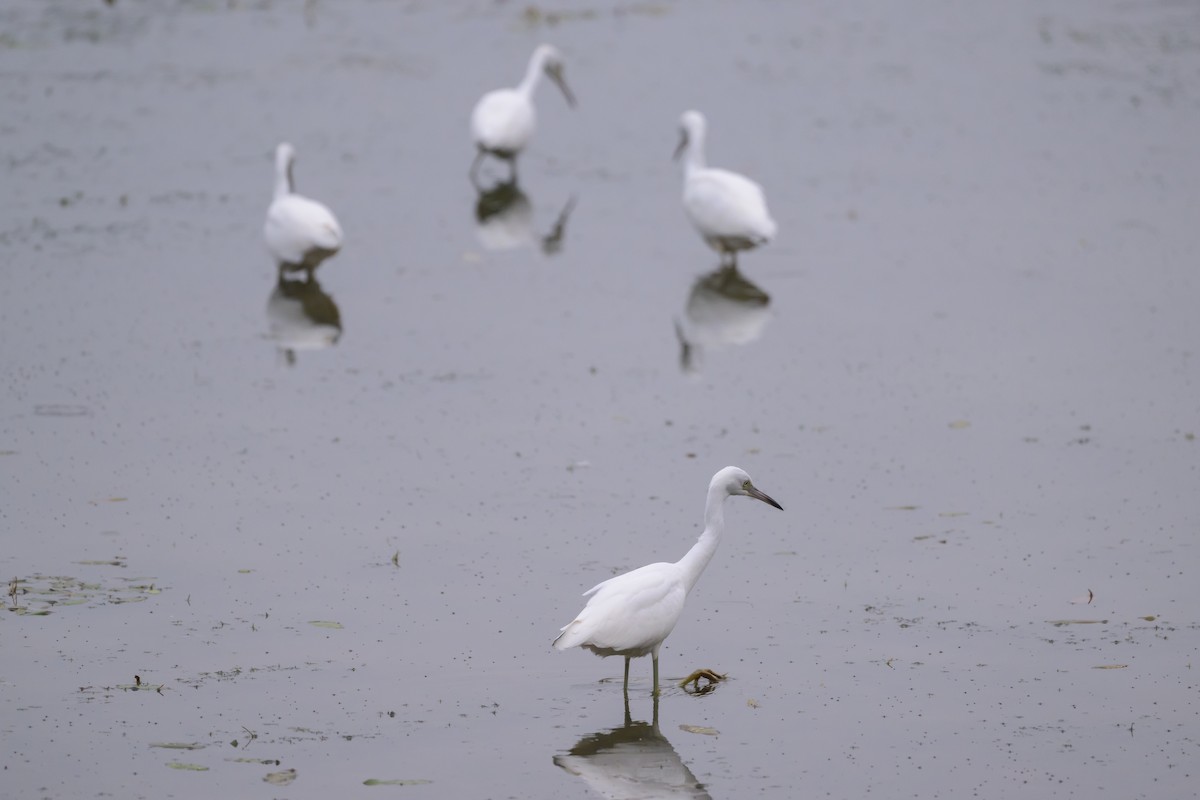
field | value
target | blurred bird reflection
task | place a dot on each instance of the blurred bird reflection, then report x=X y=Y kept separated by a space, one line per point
x=302 y=316
x=504 y=216
x=632 y=761
x=724 y=308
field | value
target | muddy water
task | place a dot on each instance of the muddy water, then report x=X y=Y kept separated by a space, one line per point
x=332 y=528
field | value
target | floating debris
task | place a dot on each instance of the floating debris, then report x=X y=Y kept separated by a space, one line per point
x=61 y=410
x=37 y=595
x=281 y=778
x=1058 y=623
x=191 y=767
x=693 y=681
x=1111 y=666
x=179 y=745
x=396 y=782
x=324 y=623
x=700 y=729
x=117 y=561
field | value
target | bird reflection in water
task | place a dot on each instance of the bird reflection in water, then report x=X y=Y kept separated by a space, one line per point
x=724 y=308
x=504 y=216
x=633 y=760
x=302 y=316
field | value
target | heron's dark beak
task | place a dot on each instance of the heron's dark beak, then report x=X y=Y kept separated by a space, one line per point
x=561 y=83
x=683 y=143
x=757 y=495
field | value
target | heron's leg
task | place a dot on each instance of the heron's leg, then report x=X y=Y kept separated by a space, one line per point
x=655 y=657
x=627 y=675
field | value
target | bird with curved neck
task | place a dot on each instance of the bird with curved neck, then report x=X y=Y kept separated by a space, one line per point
x=632 y=614
x=300 y=232
x=728 y=209
x=504 y=120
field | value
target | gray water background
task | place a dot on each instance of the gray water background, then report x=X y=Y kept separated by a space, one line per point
x=974 y=390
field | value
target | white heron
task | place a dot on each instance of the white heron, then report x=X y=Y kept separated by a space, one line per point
x=504 y=119
x=728 y=209
x=632 y=614
x=300 y=232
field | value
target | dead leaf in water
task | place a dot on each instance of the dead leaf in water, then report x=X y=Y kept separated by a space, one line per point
x=1149 y=617
x=700 y=729
x=396 y=782
x=1058 y=623
x=179 y=745
x=324 y=623
x=191 y=767
x=1111 y=666
x=282 y=778
x=119 y=561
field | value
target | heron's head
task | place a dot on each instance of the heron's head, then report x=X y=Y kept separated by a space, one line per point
x=691 y=130
x=552 y=65
x=735 y=481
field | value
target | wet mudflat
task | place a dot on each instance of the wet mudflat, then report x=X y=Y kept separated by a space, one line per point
x=267 y=540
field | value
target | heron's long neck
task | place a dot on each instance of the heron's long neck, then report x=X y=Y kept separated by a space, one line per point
x=283 y=179
x=695 y=151
x=696 y=559
x=533 y=73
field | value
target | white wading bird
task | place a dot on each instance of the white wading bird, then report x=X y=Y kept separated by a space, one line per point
x=300 y=233
x=728 y=209
x=504 y=120
x=630 y=615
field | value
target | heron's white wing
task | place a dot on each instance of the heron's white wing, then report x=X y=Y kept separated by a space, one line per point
x=503 y=121
x=296 y=225
x=725 y=204
x=632 y=612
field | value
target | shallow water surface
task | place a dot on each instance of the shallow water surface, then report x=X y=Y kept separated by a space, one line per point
x=299 y=539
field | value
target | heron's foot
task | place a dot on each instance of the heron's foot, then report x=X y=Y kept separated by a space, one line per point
x=691 y=684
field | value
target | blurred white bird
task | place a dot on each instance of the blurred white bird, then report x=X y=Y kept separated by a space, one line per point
x=630 y=615
x=300 y=233
x=728 y=209
x=504 y=120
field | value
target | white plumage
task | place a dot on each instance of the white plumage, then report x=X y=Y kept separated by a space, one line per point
x=504 y=120
x=630 y=615
x=300 y=232
x=728 y=209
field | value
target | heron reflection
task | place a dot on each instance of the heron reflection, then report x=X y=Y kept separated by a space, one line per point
x=302 y=316
x=504 y=216
x=724 y=308
x=634 y=760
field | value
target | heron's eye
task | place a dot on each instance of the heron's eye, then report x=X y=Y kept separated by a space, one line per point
x=746 y=485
